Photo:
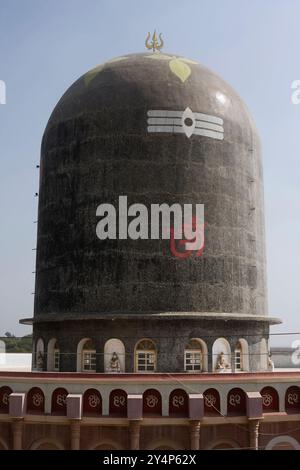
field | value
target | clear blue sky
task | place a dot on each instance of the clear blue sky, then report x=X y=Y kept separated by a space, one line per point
x=46 y=45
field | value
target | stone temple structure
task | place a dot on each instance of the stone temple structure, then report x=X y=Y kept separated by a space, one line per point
x=140 y=342
x=158 y=129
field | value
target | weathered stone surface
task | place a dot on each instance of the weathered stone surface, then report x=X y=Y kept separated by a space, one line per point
x=96 y=147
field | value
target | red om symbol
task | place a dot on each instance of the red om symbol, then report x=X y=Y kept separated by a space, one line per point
x=176 y=243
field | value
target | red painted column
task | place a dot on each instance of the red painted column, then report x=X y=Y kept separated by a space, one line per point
x=134 y=429
x=195 y=435
x=253 y=427
x=17 y=429
x=75 y=435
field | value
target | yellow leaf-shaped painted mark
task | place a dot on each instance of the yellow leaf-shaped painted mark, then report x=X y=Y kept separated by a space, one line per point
x=180 y=69
x=91 y=74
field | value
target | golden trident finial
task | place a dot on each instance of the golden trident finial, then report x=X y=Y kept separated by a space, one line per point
x=154 y=45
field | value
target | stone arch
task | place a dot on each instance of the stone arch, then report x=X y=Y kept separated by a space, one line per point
x=178 y=403
x=212 y=402
x=243 y=347
x=52 y=351
x=164 y=444
x=202 y=348
x=80 y=351
x=5 y=391
x=224 y=444
x=107 y=444
x=39 y=359
x=59 y=401
x=92 y=402
x=292 y=399
x=35 y=401
x=264 y=354
x=118 y=402
x=286 y=441
x=112 y=346
x=152 y=402
x=46 y=443
x=145 y=356
x=236 y=402
x=221 y=347
x=270 y=399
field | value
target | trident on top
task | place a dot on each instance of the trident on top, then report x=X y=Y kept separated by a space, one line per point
x=154 y=45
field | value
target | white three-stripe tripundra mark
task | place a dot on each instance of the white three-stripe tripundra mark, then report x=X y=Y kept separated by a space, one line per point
x=185 y=122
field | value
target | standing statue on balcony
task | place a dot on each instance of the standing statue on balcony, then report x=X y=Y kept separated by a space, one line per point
x=271 y=366
x=40 y=361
